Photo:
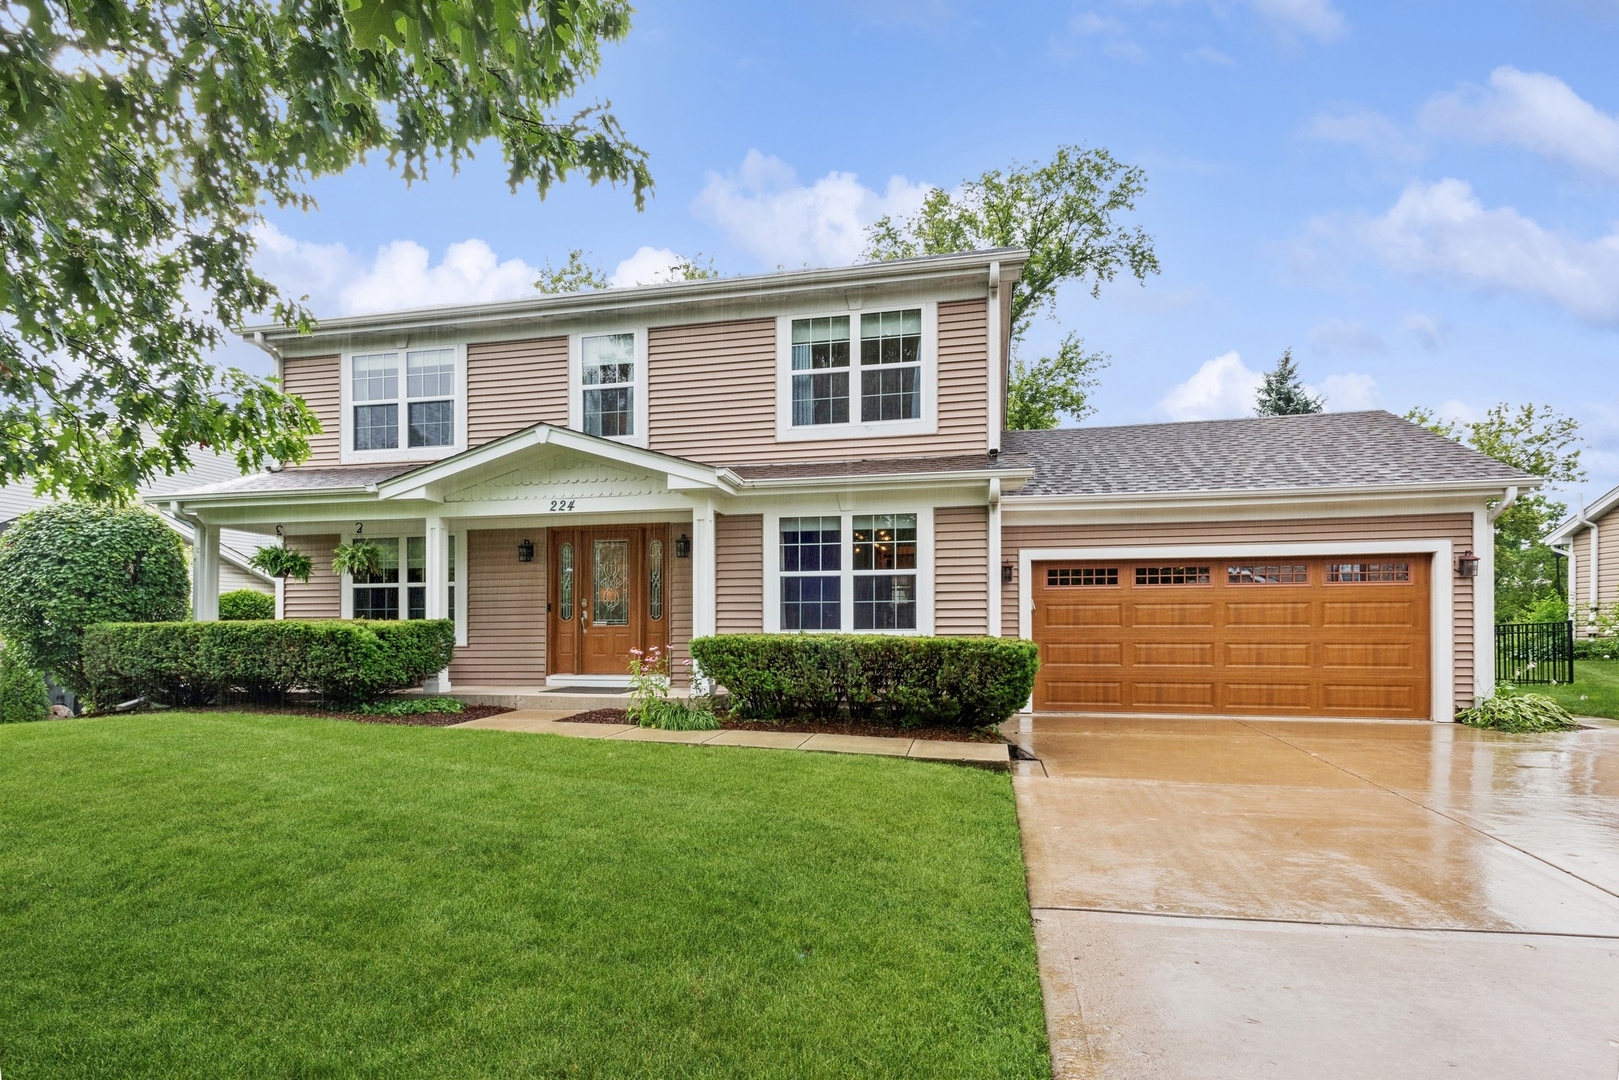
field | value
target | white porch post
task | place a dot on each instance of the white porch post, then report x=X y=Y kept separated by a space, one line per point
x=204 y=572
x=438 y=586
x=703 y=569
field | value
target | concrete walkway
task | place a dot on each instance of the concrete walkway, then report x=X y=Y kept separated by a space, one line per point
x=549 y=722
x=1294 y=899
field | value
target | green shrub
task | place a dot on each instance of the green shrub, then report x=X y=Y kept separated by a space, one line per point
x=409 y=706
x=1518 y=713
x=676 y=714
x=23 y=695
x=196 y=663
x=1596 y=648
x=68 y=566
x=240 y=605
x=956 y=682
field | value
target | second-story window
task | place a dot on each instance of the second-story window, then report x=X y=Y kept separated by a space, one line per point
x=608 y=373
x=821 y=371
x=865 y=373
x=891 y=366
x=403 y=400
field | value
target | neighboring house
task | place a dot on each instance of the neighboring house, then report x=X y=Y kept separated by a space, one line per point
x=234 y=550
x=1590 y=539
x=573 y=477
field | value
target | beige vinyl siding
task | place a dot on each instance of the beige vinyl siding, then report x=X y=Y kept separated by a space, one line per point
x=960 y=570
x=505 y=611
x=321 y=596
x=318 y=380
x=1457 y=528
x=232 y=579
x=712 y=394
x=739 y=602
x=512 y=385
x=677 y=590
x=1607 y=570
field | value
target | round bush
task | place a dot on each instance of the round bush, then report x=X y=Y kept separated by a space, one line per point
x=23 y=695
x=241 y=604
x=68 y=566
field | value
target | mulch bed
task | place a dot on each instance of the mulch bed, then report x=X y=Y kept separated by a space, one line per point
x=809 y=727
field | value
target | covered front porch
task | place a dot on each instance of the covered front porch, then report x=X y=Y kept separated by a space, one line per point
x=558 y=555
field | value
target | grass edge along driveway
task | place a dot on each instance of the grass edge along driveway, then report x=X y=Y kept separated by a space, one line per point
x=227 y=894
x=1594 y=691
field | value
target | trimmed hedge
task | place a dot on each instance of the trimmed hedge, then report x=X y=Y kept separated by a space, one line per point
x=192 y=663
x=240 y=605
x=960 y=682
x=1597 y=648
x=23 y=695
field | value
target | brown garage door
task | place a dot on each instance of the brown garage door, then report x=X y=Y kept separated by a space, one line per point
x=1281 y=636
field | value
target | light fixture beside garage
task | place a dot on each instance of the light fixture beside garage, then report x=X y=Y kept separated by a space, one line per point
x=1467 y=565
x=525 y=551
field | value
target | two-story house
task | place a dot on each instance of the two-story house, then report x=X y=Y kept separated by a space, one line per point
x=573 y=477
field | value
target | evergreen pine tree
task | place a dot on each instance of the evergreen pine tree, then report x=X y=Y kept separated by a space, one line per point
x=1282 y=393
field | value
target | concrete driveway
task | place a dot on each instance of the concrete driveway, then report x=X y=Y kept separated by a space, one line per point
x=1221 y=898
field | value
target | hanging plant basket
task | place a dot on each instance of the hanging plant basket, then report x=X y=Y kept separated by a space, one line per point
x=358 y=558
x=282 y=562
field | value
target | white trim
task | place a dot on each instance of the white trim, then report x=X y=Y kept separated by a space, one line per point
x=1484 y=604
x=839 y=509
x=638 y=385
x=1441 y=616
x=704 y=569
x=347 y=455
x=281 y=598
x=926 y=424
x=995 y=393
x=458 y=536
x=994 y=627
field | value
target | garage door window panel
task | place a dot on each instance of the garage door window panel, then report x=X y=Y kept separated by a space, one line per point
x=1268 y=574
x=1173 y=575
x=1064 y=577
x=1383 y=573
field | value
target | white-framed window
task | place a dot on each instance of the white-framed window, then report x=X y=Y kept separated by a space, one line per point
x=855 y=572
x=399 y=590
x=608 y=392
x=857 y=373
x=403 y=404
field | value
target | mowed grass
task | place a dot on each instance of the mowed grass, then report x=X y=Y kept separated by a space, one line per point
x=248 y=895
x=1594 y=691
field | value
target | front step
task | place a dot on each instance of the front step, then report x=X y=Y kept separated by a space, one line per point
x=569 y=698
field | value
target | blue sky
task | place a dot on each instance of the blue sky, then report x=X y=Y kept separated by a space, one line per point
x=1420 y=199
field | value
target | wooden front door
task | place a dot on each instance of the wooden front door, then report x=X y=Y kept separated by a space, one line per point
x=1283 y=636
x=606 y=597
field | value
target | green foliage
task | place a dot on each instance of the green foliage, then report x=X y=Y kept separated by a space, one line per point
x=1604 y=621
x=1507 y=711
x=142 y=142
x=1282 y=393
x=409 y=706
x=196 y=663
x=1541 y=442
x=66 y=566
x=1549 y=608
x=23 y=694
x=282 y=562
x=359 y=558
x=241 y=604
x=1595 y=648
x=933 y=681
x=575 y=275
x=677 y=714
x=1040 y=396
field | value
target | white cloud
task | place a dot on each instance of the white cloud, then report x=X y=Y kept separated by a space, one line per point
x=766 y=212
x=1312 y=18
x=1212 y=55
x=1431 y=331
x=1443 y=230
x=1116 y=39
x=1368 y=129
x=401 y=275
x=648 y=266
x=1222 y=387
x=1350 y=391
x=1535 y=111
x=1336 y=335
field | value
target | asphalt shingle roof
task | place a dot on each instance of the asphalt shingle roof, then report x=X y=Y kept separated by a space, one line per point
x=1277 y=452
x=345 y=477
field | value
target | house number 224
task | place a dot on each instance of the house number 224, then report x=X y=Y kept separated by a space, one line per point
x=558 y=505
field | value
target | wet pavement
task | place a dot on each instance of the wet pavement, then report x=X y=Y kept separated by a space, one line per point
x=1222 y=898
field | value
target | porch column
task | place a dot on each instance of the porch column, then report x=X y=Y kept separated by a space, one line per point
x=438 y=588
x=703 y=565
x=204 y=572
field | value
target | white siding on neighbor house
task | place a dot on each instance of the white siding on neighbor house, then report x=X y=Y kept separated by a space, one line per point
x=1607 y=570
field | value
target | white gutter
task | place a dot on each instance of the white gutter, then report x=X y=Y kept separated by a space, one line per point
x=1223 y=495
x=993 y=394
x=1504 y=505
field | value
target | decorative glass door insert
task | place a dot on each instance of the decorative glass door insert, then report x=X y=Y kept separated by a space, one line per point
x=610 y=600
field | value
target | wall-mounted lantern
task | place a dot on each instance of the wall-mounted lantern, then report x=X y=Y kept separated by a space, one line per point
x=1008 y=573
x=525 y=551
x=683 y=547
x=1467 y=564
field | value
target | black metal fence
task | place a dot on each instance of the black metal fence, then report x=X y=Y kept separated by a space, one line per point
x=1534 y=652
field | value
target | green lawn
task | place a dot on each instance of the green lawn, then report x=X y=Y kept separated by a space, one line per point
x=1594 y=691
x=235 y=895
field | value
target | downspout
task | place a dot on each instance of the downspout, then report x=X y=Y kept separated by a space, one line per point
x=994 y=552
x=995 y=403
